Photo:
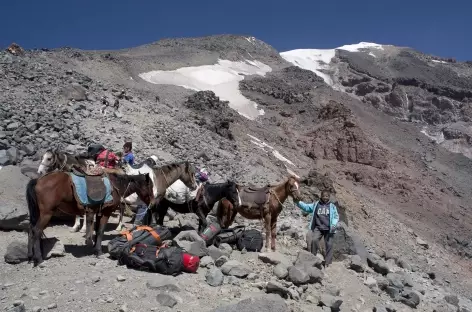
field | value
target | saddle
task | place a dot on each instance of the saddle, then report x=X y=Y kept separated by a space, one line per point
x=138 y=166
x=258 y=196
x=96 y=189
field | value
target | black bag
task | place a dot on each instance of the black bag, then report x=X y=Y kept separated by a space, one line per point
x=166 y=260
x=251 y=240
x=140 y=234
x=229 y=236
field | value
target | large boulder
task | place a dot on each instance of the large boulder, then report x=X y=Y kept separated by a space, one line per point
x=346 y=242
x=192 y=243
x=13 y=207
x=264 y=303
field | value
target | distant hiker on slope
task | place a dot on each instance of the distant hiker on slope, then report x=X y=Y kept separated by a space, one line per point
x=322 y=224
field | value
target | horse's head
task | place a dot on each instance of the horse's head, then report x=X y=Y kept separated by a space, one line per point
x=152 y=161
x=232 y=193
x=188 y=176
x=49 y=162
x=292 y=187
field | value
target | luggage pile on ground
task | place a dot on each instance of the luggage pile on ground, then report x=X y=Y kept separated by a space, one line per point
x=143 y=248
x=248 y=239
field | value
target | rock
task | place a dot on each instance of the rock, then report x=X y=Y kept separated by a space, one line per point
x=334 y=303
x=356 y=264
x=307 y=259
x=226 y=249
x=347 y=242
x=410 y=298
x=393 y=292
x=422 y=243
x=123 y=308
x=452 y=299
x=445 y=307
x=378 y=265
x=120 y=278
x=53 y=247
x=298 y=275
x=17 y=252
x=74 y=92
x=370 y=282
x=52 y=306
x=221 y=260
x=214 y=277
x=277 y=288
x=192 y=243
x=214 y=252
x=4 y=158
x=29 y=149
x=18 y=306
x=162 y=283
x=402 y=263
x=235 y=268
x=14 y=155
x=315 y=275
x=280 y=271
x=206 y=262
x=395 y=280
x=166 y=299
x=13 y=207
x=274 y=258
x=264 y=303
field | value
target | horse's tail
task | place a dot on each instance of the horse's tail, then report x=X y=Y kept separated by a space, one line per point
x=32 y=201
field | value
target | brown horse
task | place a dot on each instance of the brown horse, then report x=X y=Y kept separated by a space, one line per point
x=263 y=203
x=61 y=191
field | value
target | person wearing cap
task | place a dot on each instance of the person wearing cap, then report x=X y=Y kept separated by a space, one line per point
x=128 y=156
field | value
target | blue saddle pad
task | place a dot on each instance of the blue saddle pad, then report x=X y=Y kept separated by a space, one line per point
x=81 y=190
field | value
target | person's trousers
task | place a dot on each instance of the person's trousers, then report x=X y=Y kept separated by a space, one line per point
x=313 y=242
x=141 y=215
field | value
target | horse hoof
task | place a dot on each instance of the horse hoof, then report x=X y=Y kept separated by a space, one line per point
x=82 y=231
x=74 y=230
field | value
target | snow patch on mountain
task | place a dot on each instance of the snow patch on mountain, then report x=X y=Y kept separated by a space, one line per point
x=222 y=78
x=263 y=145
x=318 y=60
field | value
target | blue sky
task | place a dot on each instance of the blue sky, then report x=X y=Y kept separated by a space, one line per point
x=437 y=27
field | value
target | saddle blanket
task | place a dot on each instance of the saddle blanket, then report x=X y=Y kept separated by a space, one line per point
x=80 y=185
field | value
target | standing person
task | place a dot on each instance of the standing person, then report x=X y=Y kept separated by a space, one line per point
x=128 y=153
x=323 y=224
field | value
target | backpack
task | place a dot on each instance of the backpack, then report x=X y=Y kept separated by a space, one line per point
x=163 y=260
x=229 y=236
x=140 y=234
x=251 y=240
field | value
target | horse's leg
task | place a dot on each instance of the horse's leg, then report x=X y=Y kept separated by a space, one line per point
x=101 y=230
x=267 y=219
x=273 y=227
x=95 y=227
x=37 y=233
x=89 y=233
x=161 y=211
x=76 y=226
x=120 y=221
x=84 y=225
x=202 y=222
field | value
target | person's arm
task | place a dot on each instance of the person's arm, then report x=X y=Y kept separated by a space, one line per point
x=335 y=217
x=305 y=207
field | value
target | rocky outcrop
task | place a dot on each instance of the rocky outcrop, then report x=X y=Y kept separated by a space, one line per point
x=338 y=137
x=13 y=207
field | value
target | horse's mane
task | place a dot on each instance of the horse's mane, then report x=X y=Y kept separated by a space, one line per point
x=169 y=167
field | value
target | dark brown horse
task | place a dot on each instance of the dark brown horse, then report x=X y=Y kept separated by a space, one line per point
x=57 y=191
x=264 y=203
x=206 y=198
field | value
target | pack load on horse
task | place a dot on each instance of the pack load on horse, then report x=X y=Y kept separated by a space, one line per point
x=179 y=193
x=264 y=203
x=75 y=194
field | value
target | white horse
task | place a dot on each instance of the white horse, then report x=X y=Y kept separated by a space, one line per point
x=132 y=199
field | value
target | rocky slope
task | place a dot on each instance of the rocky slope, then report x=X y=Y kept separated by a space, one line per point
x=405 y=197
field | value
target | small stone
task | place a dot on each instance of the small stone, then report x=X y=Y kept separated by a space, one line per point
x=214 y=277
x=96 y=279
x=52 y=306
x=334 y=303
x=252 y=277
x=120 y=278
x=356 y=264
x=110 y=299
x=422 y=243
x=452 y=299
x=166 y=299
x=123 y=308
x=221 y=260
x=206 y=262
x=36 y=309
x=370 y=282
x=281 y=271
x=274 y=258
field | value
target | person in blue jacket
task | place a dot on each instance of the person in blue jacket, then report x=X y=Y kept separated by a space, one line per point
x=323 y=224
x=128 y=153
